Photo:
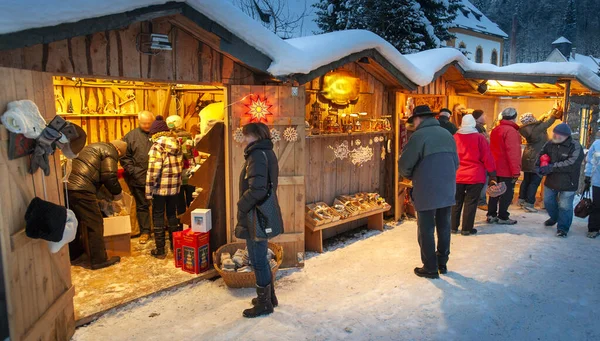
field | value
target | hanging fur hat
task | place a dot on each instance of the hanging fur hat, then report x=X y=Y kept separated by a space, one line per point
x=68 y=235
x=45 y=220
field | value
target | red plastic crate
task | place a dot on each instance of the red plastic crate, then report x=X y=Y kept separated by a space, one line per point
x=195 y=251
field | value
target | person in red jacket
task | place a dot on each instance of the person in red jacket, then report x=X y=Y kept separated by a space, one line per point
x=476 y=161
x=505 y=142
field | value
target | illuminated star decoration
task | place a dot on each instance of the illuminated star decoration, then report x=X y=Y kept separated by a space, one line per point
x=258 y=108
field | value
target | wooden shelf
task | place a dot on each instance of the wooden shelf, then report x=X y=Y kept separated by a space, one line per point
x=357 y=133
x=349 y=219
x=63 y=115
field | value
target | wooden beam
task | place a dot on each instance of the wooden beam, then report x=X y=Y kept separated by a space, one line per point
x=43 y=324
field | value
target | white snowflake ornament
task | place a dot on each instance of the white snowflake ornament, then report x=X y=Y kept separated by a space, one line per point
x=290 y=134
x=357 y=142
x=361 y=155
x=238 y=135
x=275 y=135
x=341 y=151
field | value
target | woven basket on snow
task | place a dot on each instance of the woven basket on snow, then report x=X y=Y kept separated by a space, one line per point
x=243 y=279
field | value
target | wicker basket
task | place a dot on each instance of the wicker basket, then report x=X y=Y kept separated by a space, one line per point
x=243 y=279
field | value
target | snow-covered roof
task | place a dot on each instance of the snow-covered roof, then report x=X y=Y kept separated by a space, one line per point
x=561 y=40
x=470 y=17
x=590 y=62
x=293 y=56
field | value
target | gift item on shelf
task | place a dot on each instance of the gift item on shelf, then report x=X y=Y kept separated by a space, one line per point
x=201 y=220
x=177 y=248
x=320 y=213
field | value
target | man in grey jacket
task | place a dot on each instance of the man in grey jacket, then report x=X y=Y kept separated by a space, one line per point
x=135 y=164
x=430 y=160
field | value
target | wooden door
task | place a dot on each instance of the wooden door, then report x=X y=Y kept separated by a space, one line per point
x=288 y=111
x=38 y=284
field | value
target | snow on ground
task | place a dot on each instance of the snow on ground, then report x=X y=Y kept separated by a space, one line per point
x=509 y=282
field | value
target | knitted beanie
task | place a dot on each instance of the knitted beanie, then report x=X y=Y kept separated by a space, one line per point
x=468 y=121
x=45 y=220
x=527 y=118
x=446 y=111
x=158 y=126
x=509 y=114
x=477 y=113
x=562 y=129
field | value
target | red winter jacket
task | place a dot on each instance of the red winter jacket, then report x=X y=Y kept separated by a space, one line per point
x=505 y=142
x=475 y=158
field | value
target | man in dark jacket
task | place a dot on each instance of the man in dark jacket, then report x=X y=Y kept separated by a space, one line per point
x=96 y=166
x=135 y=164
x=562 y=177
x=430 y=160
x=506 y=149
x=536 y=135
x=444 y=120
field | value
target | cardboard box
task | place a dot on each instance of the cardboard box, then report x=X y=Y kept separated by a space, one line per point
x=201 y=220
x=196 y=253
x=117 y=231
x=178 y=248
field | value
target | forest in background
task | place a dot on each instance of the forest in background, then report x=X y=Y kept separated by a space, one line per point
x=540 y=22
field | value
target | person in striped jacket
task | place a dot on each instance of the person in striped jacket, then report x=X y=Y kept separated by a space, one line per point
x=163 y=181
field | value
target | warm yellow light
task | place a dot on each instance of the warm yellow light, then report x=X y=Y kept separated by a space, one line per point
x=341 y=87
x=212 y=112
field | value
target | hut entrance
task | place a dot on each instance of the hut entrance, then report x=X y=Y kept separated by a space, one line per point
x=107 y=109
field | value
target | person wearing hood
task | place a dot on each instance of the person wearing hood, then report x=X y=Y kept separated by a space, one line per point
x=535 y=134
x=476 y=161
x=479 y=117
x=188 y=150
x=95 y=166
x=430 y=161
x=592 y=182
x=444 y=120
x=505 y=143
x=163 y=181
x=261 y=171
x=562 y=177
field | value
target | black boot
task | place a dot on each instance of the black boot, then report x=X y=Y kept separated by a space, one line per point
x=171 y=230
x=274 y=300
x=174 y=226
x=263 y=303
x=107 y=263
x=159 y=240
x=421 y=272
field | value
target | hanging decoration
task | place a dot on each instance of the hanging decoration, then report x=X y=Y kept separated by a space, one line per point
x=370 y=141
x=383 y=153
x=290 y=134
x=238 y=135
x=341 y=151
x=357 y=142
x=258 y=108
x=275 y=135
x=361 y=155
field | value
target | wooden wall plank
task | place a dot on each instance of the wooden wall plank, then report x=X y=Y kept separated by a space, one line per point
x=186 y=57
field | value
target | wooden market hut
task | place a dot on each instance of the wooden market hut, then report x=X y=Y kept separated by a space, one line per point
x=98 y=72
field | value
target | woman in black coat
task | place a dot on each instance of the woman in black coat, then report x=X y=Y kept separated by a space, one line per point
x=260 y=171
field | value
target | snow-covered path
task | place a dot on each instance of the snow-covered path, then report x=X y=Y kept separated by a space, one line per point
x=518 y=282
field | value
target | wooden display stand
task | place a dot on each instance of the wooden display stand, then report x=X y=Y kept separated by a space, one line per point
x=313 y=235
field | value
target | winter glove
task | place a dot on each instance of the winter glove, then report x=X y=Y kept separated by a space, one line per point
x=493 y=181
x=588 y=182
x=545 y=170
x=43 y=148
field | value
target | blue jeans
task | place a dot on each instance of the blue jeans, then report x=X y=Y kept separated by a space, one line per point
x=529 y=187
x=559 y=205
x=257 y=252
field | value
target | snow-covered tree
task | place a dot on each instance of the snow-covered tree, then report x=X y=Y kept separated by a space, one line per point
x=570 y=22
x=409 y=25
x=276 y=15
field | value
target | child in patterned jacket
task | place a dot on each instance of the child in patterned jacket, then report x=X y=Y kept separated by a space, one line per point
x=163 y=181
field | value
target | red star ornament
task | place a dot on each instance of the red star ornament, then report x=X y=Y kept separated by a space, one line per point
x=258 y=108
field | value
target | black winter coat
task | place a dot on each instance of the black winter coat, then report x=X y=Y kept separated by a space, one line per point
x=135 y=161
x=566 y=159
x=536 y=135
x=446 y=124
x=96 y=165
x=254 y=177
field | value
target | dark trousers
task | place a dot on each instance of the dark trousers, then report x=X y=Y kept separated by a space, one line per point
x=467 y=196
x=90 y=223
x=594 y=220
x=428 y=222
x=498 y=206
x=257 y=252
x=162 y=205
x=184 y=198
x=529 y=187
x=142 y=208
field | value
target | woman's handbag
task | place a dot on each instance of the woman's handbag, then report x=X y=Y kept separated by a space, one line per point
x=584 y=207
x=267 y=218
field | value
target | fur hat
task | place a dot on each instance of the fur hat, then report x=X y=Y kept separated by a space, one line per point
x=562 y=129
x=158 y=126
x=45 y=220
x=527 y=118
x=477 y=113
x=509 y=114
